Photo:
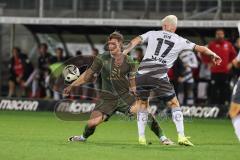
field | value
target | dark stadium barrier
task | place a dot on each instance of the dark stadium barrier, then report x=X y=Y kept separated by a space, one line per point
x=68 y=108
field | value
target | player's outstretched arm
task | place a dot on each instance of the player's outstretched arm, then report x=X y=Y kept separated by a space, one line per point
x=87 y=76
x=204 y=50
x=134 y=42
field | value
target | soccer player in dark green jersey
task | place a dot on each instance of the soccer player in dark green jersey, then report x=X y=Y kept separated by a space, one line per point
x=118 y=80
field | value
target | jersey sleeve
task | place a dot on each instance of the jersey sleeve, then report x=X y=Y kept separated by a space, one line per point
x=145 y=36
x=133 y=67
x=97 y=64
x=187 y=45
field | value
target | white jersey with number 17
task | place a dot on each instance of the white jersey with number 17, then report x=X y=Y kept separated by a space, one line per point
x=163 y=49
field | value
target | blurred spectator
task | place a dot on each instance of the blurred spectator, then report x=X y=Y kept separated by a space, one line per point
x=20 y=69
x=185 y=63
x=44 y=57
x=139 y=54
x=220 y=88
x=204 y=81
x=59 y=57
x=95 y=52
x=44 y=61
x=56 y=70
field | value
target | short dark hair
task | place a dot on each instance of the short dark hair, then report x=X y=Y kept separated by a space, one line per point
x=116 y=35
x=220 y=29
x=139 y=49
x=60 y=49
x=17 y=49
x=78 y=52
x=43 y=45
x=95 y=50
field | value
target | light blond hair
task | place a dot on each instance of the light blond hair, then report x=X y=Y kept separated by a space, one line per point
x=170 y=19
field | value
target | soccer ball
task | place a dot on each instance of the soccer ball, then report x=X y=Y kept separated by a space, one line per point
x=70 y=73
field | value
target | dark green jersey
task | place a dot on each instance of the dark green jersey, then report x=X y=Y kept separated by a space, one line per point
x=114 y=78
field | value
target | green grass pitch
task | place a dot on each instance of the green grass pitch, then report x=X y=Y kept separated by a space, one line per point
x=41 y=136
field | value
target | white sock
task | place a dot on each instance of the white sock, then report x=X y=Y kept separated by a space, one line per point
x=142 y=118
x=236 y=125
x=81 y=137
x=163 y=138
x=177 y=117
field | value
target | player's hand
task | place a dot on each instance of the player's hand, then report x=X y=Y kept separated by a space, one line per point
x=67 y=90
x=216 y=59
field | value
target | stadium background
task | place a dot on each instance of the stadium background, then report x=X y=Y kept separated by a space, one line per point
x=82 y=25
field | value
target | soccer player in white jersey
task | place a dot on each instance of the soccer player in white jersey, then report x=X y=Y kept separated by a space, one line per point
x=163 y=49
x=234 y=110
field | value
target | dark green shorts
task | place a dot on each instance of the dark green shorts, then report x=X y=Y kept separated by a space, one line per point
x=108 y=104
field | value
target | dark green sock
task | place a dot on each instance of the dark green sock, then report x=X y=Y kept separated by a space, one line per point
x=88 y=131
x=155 y=127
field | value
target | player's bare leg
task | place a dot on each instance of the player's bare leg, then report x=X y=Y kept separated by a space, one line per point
x=177 y=117
x=96 y=118
x=234 y=113
x=140 y=108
